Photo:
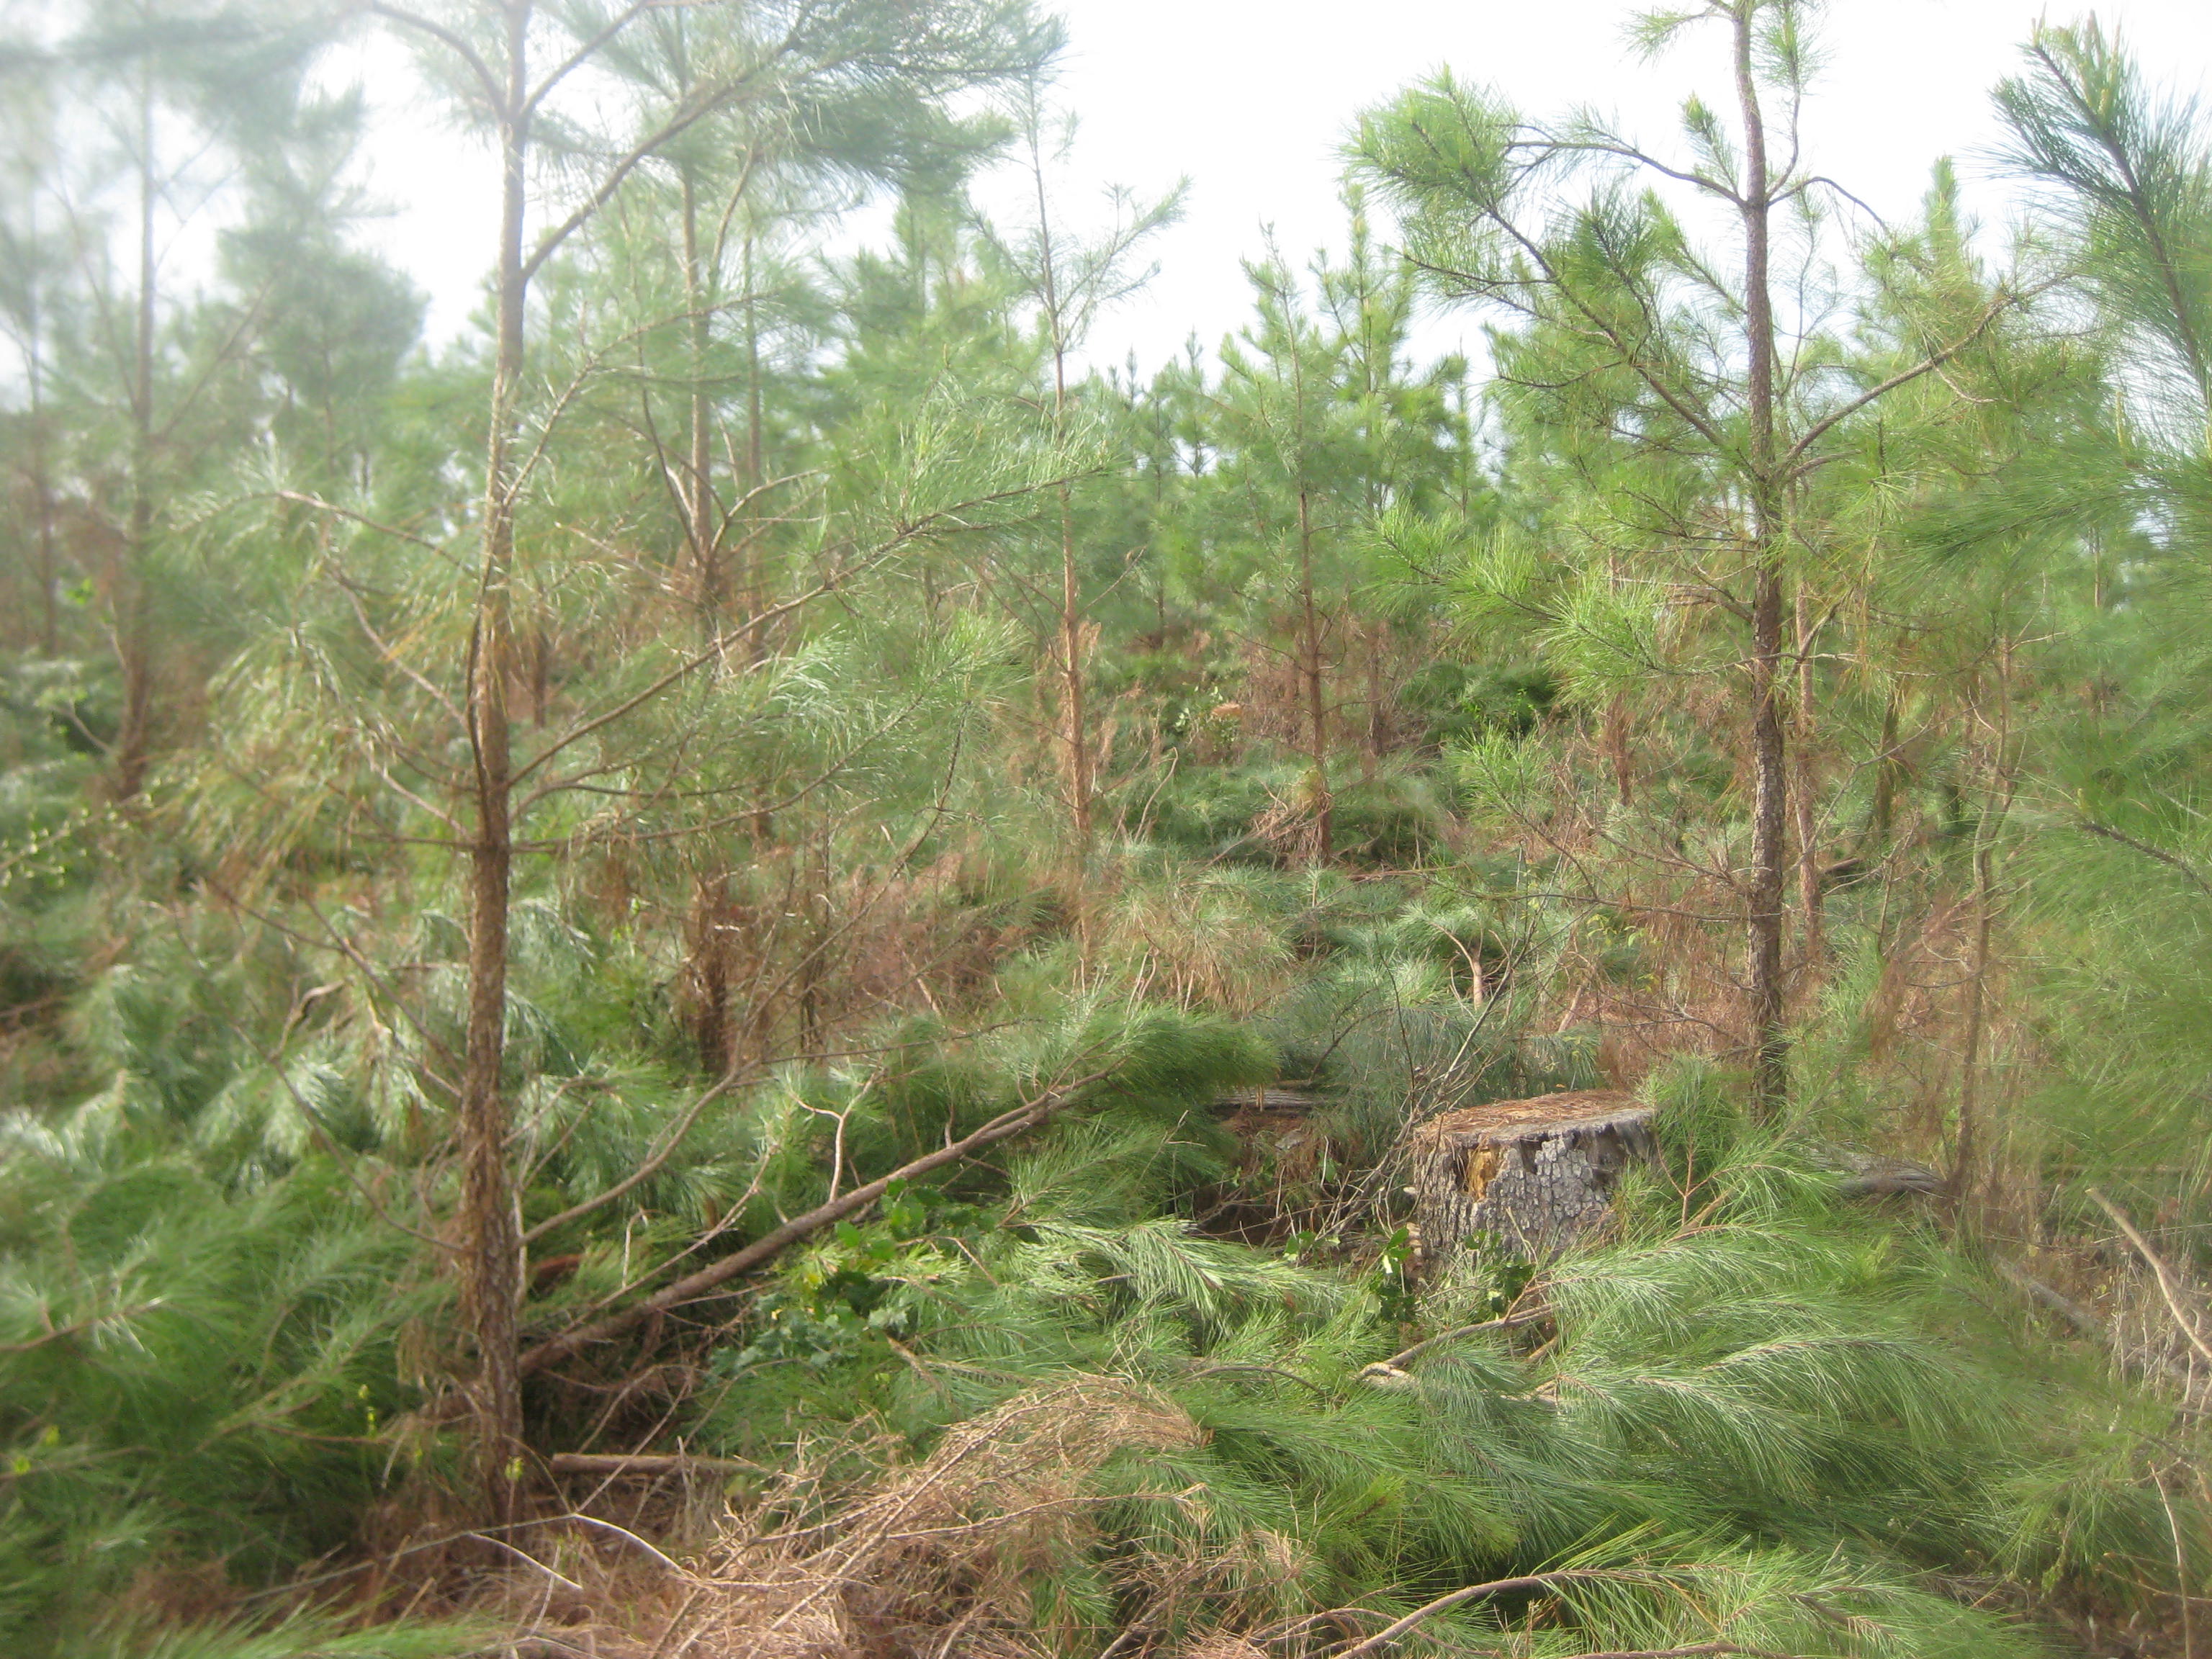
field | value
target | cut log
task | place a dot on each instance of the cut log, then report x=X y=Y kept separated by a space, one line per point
x=1299 y=1098
x=1870 y=1175
x=1531 y=1176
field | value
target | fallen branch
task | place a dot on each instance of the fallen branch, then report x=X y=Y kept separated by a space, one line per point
x=707 y=1280
x=2083 y=1319
x=2059 y=1303
x=1458 y=1597
x=1395 y=1364
x=620 y=1463
x=653 y=1165
x=2167 y=1287
x=1693 y=1651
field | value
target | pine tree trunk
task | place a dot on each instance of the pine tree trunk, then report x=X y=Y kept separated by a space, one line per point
x=1770 y=749
x=133 y=641
x=1617 y=750
x=699 y=469
x=752 y=590
x=1965 y=1147
x=1887 y=772
x=42 y=480
x=1075 y=732
x=1531 y=1177
x=1376 y=634
x=1770 y=849
x=1324 y=803
x=1996 y=805
x=1806 y=799
x=1074 y=717
x=490 y=1245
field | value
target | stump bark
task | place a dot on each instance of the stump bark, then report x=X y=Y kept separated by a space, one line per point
x=1534 y=1177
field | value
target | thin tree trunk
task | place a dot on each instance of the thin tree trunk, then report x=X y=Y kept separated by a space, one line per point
x=1617 y=750
x=1316 y=701
x=699 y=480
x=1616 y=727
x=1886 y=774
x=1770 y=747
x=747 y=577
x=1965 y=1147
x=815 y=938
x=1075 y=734
x=1806 y=798
x=1996 y=807
x=491 y=1251
x=1770 y=848
x=1376 y=634
x=133 y=645
x=1075 y=717
x=42 y=483
x=1324 y=803
x=43 y=492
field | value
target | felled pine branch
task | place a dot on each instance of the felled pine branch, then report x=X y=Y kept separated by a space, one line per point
x=709 y=1279
x=1395 y=1365
x=644 y=1463
x=2168 y=1284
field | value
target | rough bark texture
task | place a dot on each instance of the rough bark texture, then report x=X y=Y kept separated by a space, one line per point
x=1805 y=802
x=1770 y=1043
x=699 y=505
x=491 y=1244
x=1533 y=1177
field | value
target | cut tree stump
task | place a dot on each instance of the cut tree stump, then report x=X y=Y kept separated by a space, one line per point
x=1534 y=1177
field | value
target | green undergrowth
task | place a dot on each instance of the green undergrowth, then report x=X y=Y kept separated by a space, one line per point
x=1762 y=1418
x=1758 y=1416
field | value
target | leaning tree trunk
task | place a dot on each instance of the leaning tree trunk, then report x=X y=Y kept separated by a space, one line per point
x=1532 y=1177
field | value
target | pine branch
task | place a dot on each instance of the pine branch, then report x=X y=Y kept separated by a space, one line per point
x=628 y=1463
x=709 y=1279
x=1459 y=1597
x=2173 y=860
x=1395 y=1365
x=2168 y=1284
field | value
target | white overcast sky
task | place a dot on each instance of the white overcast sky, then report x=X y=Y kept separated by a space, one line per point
x=1250 y=100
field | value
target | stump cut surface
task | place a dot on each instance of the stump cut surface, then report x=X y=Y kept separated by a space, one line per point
x=1535 y=1176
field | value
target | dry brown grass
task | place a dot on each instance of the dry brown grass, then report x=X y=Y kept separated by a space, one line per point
x=797 y=951
x=928 y=1560
x=1199 y=944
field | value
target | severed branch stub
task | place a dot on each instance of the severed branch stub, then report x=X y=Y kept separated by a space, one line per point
x=1535 y=1176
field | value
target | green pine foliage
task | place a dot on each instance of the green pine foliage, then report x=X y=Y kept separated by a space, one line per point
x=1411 y=700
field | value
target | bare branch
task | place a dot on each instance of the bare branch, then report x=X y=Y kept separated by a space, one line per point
x=2167 y=1285
x=584 y=52
x=445 y=37
x=611 y=181
x=708 y=1280
x=1395 y=1363
x=1459 y=1597
x=652 y=1166
x=1926 y=366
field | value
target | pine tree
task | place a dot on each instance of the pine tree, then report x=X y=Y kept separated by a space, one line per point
x=1676 y=353
x=505 y=77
